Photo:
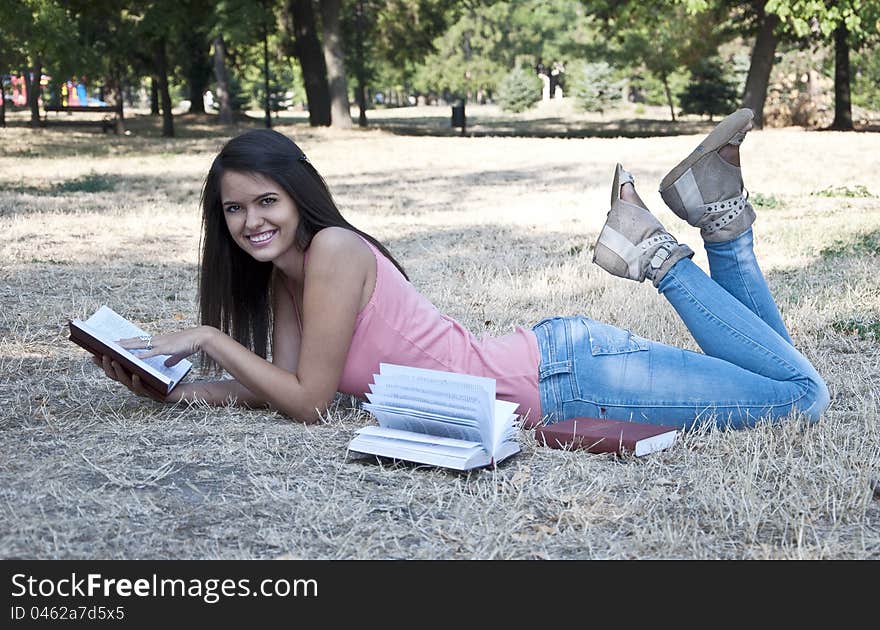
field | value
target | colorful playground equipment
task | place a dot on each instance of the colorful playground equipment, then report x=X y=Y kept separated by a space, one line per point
x=73 y=93
x=66 y=97
x=17 y=89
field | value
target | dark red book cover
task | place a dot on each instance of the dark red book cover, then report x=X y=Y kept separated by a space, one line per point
x=606 y=436
x=94 y=345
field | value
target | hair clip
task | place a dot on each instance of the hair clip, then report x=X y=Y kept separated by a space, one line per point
x=304 y=159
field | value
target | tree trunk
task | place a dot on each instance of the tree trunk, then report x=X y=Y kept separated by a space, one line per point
x=266 y=76
x=761 y=64
x=311 y=60
x=34 y=89
x=198 y=70
x=154 y=96
x=334 y=59
x=361 y=89
x=842 y=101
x=224 y=99
x=665 y=80
x=198 y=83
x=120 y=104
x=164 y=95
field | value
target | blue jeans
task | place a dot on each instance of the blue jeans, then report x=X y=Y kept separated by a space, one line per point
x=750 y=369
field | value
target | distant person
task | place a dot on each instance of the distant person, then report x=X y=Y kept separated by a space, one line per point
x=279 y=260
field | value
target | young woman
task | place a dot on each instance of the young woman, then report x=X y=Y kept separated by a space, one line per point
x=280 y=261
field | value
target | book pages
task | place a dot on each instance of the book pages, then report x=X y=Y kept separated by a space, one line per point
x=459 y=387
x=437 y=417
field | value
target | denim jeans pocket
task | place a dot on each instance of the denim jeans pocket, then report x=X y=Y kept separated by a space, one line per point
x=607 y=339
x=556 y=378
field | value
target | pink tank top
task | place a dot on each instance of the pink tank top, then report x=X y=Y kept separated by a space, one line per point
x=399 y=325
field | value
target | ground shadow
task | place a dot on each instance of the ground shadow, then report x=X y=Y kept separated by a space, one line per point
x=548 y=127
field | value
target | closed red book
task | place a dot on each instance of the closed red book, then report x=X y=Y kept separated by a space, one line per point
x=607 y=436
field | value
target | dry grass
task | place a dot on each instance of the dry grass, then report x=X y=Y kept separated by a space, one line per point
x=498 y=232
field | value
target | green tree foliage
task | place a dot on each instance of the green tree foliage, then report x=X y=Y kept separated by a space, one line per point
x=405 y=29
x=241 y=24
x=849 y=24
x=597 y=87
x=487 y=39
x=519 y=90
x=40 y=32
x=866 y=78
x=664 y=37
x=810 y=17
x=285 y=76
x=387 y=39
x=709 y=92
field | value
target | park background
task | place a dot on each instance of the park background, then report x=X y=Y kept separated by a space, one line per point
x=494 y=221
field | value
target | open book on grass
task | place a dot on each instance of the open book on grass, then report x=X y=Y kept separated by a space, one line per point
x=437 y=418
x=99 y=334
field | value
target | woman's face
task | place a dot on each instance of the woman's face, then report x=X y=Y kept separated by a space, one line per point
x=261 y=217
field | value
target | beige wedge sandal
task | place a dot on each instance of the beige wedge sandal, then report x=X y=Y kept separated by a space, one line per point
x=633 y=244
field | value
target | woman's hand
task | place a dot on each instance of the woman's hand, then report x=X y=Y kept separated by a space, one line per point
x=133 y=382
x=179 y=344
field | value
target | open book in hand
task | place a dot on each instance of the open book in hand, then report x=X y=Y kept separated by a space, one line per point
x=99 y=334
x=437 y=418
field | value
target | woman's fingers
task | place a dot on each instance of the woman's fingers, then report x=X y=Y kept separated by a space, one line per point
x=138 y=388
x=121 y=375
x=176 y=358
x=132 y=343
x=177 y=346
x=114 y=371
x=142 y=349
x=107 y=366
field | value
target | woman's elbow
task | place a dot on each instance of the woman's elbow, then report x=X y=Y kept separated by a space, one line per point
x=309 y=412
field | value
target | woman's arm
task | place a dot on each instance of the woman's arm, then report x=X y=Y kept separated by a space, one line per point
x=285 y=354
x=286 y=342
x=305 y=376
x=333 y=289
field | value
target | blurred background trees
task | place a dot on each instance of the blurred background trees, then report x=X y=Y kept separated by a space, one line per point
x=808 y=62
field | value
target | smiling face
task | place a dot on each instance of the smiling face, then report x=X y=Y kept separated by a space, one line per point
x=261 y=217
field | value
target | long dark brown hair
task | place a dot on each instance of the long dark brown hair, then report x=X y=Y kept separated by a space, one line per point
x=234 y=289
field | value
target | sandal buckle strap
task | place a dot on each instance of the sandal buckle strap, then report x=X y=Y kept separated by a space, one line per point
x=657 y=239
x=633 y=255
x=719 y=214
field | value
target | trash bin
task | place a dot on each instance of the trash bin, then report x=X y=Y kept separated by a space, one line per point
x=458 y=116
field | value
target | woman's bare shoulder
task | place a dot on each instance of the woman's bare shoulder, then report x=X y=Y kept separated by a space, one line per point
x=338 y=241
